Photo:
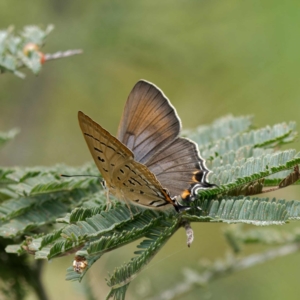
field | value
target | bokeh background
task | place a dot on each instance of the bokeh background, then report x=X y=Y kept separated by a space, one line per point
x=211 y=58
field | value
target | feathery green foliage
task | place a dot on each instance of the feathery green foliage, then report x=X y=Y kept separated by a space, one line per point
x=226 y=126
x=243 y=162
x=23 y=50
x=7 y=136
x=155 y=239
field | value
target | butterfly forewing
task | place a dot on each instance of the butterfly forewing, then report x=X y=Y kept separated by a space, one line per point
x=127 y=179
x=149 y=121
x=106 y=150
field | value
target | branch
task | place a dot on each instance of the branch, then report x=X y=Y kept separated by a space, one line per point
x=231 y=265
x=35 y=280
x=62 y=54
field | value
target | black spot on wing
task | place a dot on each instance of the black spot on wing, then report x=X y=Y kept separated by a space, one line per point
x=151 y=203
x=89 y=135
x=111 y=148
x=144 y=179
x=163 y=204
x=98 y=150
x=130 y=169
x=158 y=205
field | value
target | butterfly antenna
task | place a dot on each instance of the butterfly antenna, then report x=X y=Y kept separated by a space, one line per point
x=102 y=181
x=85 y=175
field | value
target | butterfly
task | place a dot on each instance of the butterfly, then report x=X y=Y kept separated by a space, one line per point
x=148 y=164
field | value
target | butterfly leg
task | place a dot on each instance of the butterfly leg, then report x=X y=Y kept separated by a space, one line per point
x=128 y=205
x=108 y=202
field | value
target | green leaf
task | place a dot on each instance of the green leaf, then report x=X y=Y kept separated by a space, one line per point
x=7 y=136
x=244 y=171
x=34 y=34
x=100 y=224
x=132 y=231
x=34 y=216
x=265 y=137
x=250 y=211
x=226 y=126
x=122 y=276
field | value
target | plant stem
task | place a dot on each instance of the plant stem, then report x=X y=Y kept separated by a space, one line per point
x=195 y=279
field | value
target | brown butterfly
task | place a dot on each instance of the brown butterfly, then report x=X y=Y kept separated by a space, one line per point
x=148 y=164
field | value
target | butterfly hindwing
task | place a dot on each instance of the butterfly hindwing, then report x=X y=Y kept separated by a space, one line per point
x=178 y=166
x=150 y=127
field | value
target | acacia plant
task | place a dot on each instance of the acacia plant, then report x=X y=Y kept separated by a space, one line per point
x=244 y=161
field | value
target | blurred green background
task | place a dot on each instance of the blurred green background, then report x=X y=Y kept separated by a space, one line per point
x=211 y=58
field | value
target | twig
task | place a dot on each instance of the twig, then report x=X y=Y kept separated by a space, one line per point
x=34 y=278
x=193 y=278
x=62 y=54
x=50 y=56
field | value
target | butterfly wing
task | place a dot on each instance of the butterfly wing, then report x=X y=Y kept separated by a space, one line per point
x=106 y=150
x=127 y=179
x=134 y=182
x=149 y=122
x=150 y=127
x=179 y=166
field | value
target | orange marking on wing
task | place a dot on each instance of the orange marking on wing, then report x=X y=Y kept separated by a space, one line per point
x=196 y=174
x=185 y=194
x=194 y=179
